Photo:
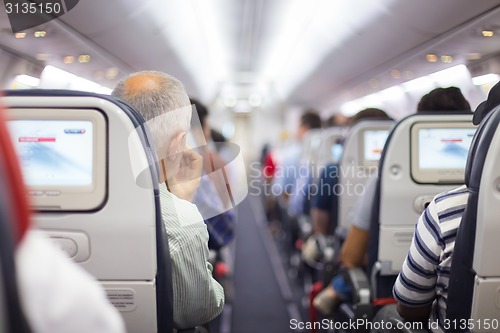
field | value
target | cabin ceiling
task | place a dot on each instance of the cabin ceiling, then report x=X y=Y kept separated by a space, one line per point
x=311 y=53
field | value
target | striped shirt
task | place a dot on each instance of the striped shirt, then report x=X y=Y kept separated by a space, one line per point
x=198 y=298
x=425 y=273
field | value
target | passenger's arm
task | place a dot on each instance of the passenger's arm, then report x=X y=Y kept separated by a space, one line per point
x=353 y=251
x=420 y=313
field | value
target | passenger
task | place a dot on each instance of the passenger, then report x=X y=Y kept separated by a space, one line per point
x=291 y=164
x=353 y=251
x=286 y=178
x=198 y=298
x=444 y=99
x=354 y=248
x=325 y=203
x=421 y=288
x=337 y=120
x=212 y=197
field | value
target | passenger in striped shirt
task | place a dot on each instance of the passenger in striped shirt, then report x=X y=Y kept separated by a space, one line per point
x=421 y=288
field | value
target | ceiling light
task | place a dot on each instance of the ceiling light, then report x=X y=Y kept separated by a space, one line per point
x=473 y=56
x=373 y=83
x=302 y=37
x=431 y=57
x=396 y=74
x=485 y=79
x=68 y=59
x=42 y=57
x=40 y=34
x=487 y=33
x=409 y=75
x=230 y=101
x=20 y=35
x=111 y=73
x=446 y=59
x=99 y=75
x=84 y=58
x=255 y=100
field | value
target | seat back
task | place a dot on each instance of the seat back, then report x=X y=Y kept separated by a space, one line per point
x=331 y=146
x=475 y=271
x=120 y=236
x=362 y=149
x=424 y=155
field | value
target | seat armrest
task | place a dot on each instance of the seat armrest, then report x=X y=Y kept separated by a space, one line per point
x=389 y=315
x=362 y=307
x=197 y=329
x=358 y=280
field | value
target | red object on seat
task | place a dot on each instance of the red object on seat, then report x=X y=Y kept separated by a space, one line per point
x=221 y=270
x=384 y=301
x=14 y=182
x=313 y=313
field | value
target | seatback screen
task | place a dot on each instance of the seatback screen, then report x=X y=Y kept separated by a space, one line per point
x=439 y=151
x=444 y=148
x=374 y=141
x=63 y=156
x=54 y=152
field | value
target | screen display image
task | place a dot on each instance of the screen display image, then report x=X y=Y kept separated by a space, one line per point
x=374 y=142
x=336 y=152
x=444 y=148
x=54 y=152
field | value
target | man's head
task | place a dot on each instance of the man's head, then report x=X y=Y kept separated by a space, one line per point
x=370 y=113
x=444 y=99
x=164 y=104
x=309 y=120
x=485 y=107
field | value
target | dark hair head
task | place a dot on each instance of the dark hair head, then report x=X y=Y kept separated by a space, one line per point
x=444 y=99
x=217 y=136
x=310 y=119
x=201 y=110
x=336 y=120
x=370 y=113
x=485 y=107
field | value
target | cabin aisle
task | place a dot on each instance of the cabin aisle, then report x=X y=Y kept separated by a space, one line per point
x=259 y=303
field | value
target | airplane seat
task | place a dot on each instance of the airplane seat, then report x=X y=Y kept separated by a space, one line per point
x=101 y=202
x=13 y=223
x=330 y=148
x=362 y=150
x=475 y=273
x=411 y=173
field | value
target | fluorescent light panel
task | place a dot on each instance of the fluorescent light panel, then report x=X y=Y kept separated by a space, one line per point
x=446 y=77
x=304 y=36
x=485 y=79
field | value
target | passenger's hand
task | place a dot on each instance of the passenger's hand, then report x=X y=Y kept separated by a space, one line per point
x=187 y=179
